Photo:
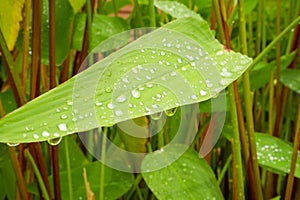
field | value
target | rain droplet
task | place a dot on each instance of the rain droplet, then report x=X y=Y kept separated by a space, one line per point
x=54 y=141
x=179 y=60
x=203 y=92
x=45 y=134
x=136 y=94
x=173 y=73
x=110 y=106
x=98 y=104
x=108 y=89
x=64 y=116
x=35 y=136
x=62 y=127
x=194 y=97
x=171 y=112
x=118 y=113
x=162 y=53
x=12 y=144
x=121 y=98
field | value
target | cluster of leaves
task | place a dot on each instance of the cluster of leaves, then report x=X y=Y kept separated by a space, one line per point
x=66 y=170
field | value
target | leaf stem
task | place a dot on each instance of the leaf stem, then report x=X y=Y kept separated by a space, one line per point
x=238 y=182
x=37 y=174
x=152 y=13
x=253 y=164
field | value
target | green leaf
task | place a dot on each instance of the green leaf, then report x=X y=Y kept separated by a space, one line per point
x=189 y=177
x=63 y=19
x=102 y=28
x=77 y=5
x=176 y=65
x=291 y=79
x=8 y=100
x=10 y=17
x=176 y=9
x=260 y=73
x=7 y=173
x=275 y=154
x=76 y=156
x=109 y=7
x=116 y=183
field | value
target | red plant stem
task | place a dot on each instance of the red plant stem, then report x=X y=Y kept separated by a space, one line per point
x=19 y=175
x=52 y=59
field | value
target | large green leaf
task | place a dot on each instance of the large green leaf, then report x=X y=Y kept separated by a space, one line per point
x=291 y=79
x=275 y=154
x=178 y=64
x=189 y=177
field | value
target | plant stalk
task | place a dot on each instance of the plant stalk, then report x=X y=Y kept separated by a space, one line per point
x=248 y=106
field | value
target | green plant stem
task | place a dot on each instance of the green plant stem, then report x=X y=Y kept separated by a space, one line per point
x=238 y=180
x=259 y=26
x=289 y=187
x=138 y=12
x=136 y=180
x=89 y=24
x=278 y=86
x=274 y=42
x=115 y=8
x=248 y=106
x=37 y=174
x=152 y=13
x=102 y=172
x=224 y=169
x=219 y=19
x=68 y=164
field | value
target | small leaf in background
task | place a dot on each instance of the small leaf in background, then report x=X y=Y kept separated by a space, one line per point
x=176 y=9
x=8 y=100
x=10 y=17
x=189 y=177
x=275 y=154
x=108 y=8
x=291 y=79
x=103 y=27
x=75 y=154
x=7 y=174
x=260 y=73
x=77 y=5
x=116 y=183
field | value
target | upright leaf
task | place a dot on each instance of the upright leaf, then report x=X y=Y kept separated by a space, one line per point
x=275 y=154
x=189 y=177
x=10 y=17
